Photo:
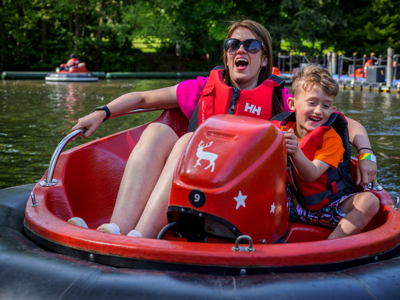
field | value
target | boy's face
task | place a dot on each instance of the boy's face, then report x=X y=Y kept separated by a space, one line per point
x=312 y=109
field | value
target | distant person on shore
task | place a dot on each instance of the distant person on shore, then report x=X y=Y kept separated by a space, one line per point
x=359 y=72
x=72 y=63
x=368 y=63
x=142 y=201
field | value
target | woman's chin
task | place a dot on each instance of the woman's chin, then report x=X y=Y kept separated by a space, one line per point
x=241 y=75
x=243 y=79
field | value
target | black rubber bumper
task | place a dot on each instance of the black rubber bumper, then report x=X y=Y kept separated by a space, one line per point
x=29 y=272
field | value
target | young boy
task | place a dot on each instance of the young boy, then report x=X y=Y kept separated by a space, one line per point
x=314 y=91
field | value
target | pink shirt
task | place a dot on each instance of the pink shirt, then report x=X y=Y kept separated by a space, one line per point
x=188 y=95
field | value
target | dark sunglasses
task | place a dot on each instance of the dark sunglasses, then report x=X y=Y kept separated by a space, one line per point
x=251 y=45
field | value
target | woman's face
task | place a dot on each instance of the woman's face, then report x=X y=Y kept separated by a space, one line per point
x=244 y=67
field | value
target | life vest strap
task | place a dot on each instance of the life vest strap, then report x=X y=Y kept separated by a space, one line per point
x=315 y=199
x=278 y=80
x=193 y=122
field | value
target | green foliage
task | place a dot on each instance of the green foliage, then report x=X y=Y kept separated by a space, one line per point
x=310 y=21
x=383 y=31
x=40 y=34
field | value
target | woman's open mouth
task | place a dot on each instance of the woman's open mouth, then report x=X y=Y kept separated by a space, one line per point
x=241 y=63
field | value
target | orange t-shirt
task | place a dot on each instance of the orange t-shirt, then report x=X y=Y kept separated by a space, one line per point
x=332 y=149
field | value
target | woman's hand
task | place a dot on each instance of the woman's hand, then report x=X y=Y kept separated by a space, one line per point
x=366 y=169
x=90 y=123
x=366 y=172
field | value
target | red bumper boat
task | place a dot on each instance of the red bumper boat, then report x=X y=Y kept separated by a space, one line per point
x=235 y=204
x=74 y=74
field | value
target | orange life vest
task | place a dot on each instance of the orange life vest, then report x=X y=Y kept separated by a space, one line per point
x=218 y=98
x=332 y=184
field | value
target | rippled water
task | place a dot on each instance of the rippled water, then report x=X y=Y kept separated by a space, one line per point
x=35 y=116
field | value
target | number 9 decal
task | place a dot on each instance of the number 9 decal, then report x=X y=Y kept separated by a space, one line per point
x=197 y=198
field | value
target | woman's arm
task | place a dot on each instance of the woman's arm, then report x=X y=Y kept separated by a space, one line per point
x=366 y=169
x=162 y=98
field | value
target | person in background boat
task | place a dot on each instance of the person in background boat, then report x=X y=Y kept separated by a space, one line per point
x=368 y=63
x=72 y=63
x=314 y=92
x=142 y=201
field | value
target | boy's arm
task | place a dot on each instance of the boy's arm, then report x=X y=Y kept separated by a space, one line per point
x=308 y=170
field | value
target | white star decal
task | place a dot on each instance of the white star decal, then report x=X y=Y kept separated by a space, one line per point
x=240 y=200
x=273 y=208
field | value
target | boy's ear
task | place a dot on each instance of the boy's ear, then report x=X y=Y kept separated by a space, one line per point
x=290 y=102
x=334 y=108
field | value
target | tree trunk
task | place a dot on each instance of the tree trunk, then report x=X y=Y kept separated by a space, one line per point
x=84 y=22
x=98 y=46
x=44 y=41
x=3 y=45
x=3 y=49
x=77 y=28
x=70 y=32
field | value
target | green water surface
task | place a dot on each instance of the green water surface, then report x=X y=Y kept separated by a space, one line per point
x=35 y=116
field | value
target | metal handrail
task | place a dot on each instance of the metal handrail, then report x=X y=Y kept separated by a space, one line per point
x=49 y=181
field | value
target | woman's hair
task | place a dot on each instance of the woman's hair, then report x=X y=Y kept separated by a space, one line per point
x=262 y=34
x=311 y=76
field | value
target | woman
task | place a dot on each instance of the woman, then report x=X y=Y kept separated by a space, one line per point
x=142 y=201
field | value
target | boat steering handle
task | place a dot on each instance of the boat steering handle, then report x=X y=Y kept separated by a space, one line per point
x=49 y=181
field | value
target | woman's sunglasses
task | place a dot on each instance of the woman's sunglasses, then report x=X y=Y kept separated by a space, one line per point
x=251 y=45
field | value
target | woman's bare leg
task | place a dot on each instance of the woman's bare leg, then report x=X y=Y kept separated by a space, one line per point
x=142 y=171
x=154 y=216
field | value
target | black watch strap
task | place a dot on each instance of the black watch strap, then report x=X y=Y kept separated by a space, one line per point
x=105 y=108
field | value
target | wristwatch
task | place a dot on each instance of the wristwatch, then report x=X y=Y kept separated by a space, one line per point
x=105 y=108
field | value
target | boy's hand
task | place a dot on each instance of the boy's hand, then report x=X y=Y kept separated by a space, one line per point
x=292 y=146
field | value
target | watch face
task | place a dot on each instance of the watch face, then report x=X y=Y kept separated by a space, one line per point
x=100 y=107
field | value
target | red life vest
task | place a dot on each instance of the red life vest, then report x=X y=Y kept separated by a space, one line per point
x=73 y=62
x=332 y=184
x=218 y=98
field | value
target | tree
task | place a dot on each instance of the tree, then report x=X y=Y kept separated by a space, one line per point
x=312 y=21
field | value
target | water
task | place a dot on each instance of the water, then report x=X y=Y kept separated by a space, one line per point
x=35 y=116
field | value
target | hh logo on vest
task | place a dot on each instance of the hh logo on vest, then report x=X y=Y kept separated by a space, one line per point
x=251 y=108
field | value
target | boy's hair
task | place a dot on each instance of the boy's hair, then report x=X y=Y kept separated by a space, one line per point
x=313 y=75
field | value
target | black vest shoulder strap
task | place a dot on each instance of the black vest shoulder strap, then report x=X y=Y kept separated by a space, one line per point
x=332 y=118
x=193 y=122
x=278 y=80
x=287 y=115
x=219 y=68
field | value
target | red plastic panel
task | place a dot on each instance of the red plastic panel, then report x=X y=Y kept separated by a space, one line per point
x=230 y=159
x=299 y=233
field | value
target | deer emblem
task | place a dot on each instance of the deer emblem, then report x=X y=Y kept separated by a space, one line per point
x=211 y=157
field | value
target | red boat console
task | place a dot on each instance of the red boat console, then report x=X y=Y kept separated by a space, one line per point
x=225 y=177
